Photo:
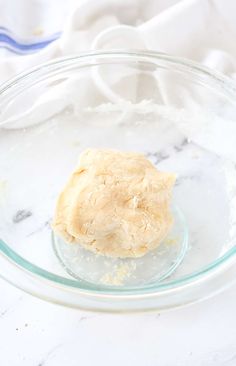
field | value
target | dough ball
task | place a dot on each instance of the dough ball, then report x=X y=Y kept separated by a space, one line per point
x=116 y=204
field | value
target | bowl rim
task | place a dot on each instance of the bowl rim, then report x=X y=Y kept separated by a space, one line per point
x=14 y=259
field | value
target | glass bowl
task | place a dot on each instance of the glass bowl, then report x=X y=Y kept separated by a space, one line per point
x=180 y=115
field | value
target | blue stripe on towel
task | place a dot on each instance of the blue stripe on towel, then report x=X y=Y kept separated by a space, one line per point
x=9 y=42
x=13 y=50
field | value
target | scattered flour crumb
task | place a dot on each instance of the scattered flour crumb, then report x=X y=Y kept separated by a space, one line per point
x=76 y=143
x=3 y=190
x=119 y=275
x=196 y=156
x=171 y=241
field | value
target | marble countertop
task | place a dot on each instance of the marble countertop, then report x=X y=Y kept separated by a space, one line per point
x=37 y=333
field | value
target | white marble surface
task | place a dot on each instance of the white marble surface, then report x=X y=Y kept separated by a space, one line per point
x=36 y=333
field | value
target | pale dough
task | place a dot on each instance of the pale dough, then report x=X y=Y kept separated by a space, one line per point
x=115 y=203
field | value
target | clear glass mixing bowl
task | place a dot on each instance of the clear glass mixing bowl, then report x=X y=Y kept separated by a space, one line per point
x=179 y=114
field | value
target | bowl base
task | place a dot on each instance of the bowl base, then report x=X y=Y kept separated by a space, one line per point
x=153 y=267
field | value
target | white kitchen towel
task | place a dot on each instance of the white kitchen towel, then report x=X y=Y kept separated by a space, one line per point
x=202 y=30
x=39 y=30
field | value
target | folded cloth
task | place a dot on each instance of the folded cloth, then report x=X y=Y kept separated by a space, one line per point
x=197 y=29
x=39 y=31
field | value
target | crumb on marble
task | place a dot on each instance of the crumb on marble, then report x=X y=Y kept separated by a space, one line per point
x=76 y=143
x=3 y=188
x=196 y=156
x=3 y=185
